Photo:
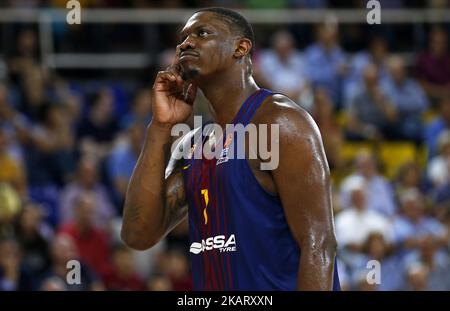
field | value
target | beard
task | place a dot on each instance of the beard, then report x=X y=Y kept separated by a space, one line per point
x=188 y=74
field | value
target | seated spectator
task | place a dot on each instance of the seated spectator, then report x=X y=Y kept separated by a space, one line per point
x=380 y=195
x=50 y=158
x=411 y=228
x=176 y=267
x=409 y=101
x=377 y=248
x=325 y=61
x=433 y=66
x=11 y=171
x=417 y=276
x=123 y=275
x=437 y=264
x=13 y=275
x=141 y=110
x=435 y=128
x=377 y=55
x=91 y=241
x=437 y=171
x=370 y=113
x=98 y=129
x=63 y=250
x=355 y=223
x=409 y=176
x=281 y=68
x=124 y=157
x=14 y=124
x=441 y=197
x=33 y=235
x=87 y=181
x=10 y=204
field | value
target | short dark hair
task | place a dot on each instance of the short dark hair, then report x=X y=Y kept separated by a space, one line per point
x=237 y=22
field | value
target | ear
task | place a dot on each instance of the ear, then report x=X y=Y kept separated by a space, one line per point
x=243 y=47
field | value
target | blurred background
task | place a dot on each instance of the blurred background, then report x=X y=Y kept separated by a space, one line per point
x=74 y=106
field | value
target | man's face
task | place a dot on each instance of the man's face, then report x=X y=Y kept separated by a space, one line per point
x=207 y=45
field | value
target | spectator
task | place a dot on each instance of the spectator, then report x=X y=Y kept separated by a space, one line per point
x=325 y=61
x=141 y=110
x=370 y=114
x=281 y=68
x=409 y=101
x=123 y=275
x=50 y=158
x=63 y=250
x=441 y=197
x=11 y=170
x=417 y=277
x=92 y=242
x=87 y=181
x=98 y=130
x=13 y=275
x=438 y=168
x=124 y=157
x=437 y=126
x=176 y=267
x=377 y=248
x=14 y=124
x=9 y=208
x=32 y=234
x=411 y=228
x=380 y=196
x=436 y=262
x=355 y=223
x=433 y=66
x=409 y=176
x=377 y=55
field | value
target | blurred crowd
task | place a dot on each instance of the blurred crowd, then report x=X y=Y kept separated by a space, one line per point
x=68 y=146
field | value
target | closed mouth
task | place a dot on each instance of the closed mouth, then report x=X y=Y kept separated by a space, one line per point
x=188 y=55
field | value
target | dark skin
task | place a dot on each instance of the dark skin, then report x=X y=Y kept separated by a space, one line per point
x=211 y=54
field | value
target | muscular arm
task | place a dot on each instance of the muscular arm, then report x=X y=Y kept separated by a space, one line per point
x=153 y=204
x=302 y=180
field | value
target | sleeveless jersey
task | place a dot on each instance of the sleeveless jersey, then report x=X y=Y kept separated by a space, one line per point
x=239 y=236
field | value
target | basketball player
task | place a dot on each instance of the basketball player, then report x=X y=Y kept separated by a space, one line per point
x=250 y=229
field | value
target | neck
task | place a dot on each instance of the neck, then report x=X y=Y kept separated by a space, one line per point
x=226 y=93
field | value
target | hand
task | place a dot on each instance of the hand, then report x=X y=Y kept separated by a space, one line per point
x=172 y=97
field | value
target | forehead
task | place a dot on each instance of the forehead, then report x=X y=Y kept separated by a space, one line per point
x=202 y=19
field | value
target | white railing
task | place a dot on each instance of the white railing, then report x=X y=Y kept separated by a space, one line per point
x=44 y=17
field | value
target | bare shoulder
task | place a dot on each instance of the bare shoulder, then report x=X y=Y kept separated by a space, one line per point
x=293 y=120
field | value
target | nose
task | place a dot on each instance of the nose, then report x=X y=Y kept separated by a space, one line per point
x=187 y=44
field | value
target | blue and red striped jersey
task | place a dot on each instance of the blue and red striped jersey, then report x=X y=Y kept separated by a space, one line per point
x=240 y=239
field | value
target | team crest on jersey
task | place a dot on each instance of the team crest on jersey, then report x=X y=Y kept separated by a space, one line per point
x=226 y=146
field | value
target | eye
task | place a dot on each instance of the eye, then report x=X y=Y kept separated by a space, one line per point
x=202 y=33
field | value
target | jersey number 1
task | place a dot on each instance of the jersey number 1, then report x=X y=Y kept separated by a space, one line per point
x=205 y=196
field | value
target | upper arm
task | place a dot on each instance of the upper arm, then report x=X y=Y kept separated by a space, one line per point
x=302 y=178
